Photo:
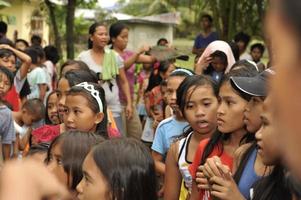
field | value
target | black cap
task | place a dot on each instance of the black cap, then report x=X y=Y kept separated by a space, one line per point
x=254 y=86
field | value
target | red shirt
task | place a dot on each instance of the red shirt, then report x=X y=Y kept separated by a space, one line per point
x=225 y=158
x=12 y=97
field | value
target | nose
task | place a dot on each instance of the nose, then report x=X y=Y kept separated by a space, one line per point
x=51 y=166
x=79 y=187
x=174 y=95
x=247 y=108
x=258 y=134
x=68 y=118
x=221 y=109
x=200 y=111
x=1 y=84
x=54 y=110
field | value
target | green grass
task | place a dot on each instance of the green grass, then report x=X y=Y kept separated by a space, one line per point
x=184 y=46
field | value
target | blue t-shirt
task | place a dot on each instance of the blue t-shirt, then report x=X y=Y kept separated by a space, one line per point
x=167 y=130
x=202 y=42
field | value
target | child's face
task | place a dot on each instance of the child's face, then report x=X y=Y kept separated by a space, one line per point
x=267 y=140
x=168 y=72
x=230 y=113
x=252 y=114
x=171 y=91
x=63 y=88
x=79 y=116
x=93 y=184
x=9 y=63
x=200 y=109
x=55 y=164
x=217 y=64
x=52 y=109
x=256 y=55
x=29 y=118
x=4 y=85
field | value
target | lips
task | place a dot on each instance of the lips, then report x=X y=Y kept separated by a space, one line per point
x=202 y=124
x=220 y=121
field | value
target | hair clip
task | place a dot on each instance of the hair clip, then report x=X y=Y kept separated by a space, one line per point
x=189 y=73
x=95 y=94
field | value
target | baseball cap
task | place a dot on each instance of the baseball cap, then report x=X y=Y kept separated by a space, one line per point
x=254 y=86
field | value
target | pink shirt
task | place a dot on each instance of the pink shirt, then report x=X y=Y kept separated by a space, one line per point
x=130 y=75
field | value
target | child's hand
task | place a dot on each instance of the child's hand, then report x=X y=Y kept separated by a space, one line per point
x=201 y=180
x=5 y=46
x=210 y=167
x=143 y=49
x=202 y=65
x=224 y=187
x=129 y=111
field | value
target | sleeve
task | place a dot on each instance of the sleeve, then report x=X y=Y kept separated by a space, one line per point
x=158 y=143
x=7 y=128
x=119 y=61
x=41 y=76
x=18 y=81
x=196 y=42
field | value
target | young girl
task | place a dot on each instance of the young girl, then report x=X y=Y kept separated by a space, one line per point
x=7 y=130
x=8 y=56
x=176 y=123
x=197 y=100
x=120 y=176
x=66 y=155
x=119 y=34
x=227 y=138
x=52 y=115
x=110 y=66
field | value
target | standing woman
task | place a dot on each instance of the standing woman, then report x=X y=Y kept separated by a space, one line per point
x=109 y=65
x=119 y=34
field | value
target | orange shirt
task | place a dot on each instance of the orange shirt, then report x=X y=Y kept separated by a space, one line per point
x=225 y=158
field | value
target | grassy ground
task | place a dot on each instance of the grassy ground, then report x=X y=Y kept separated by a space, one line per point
x=185 y=47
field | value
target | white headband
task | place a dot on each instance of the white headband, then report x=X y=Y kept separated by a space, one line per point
x=189 y=73
x=95 y=94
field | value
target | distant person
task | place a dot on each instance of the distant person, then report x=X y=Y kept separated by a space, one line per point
x=257 y=51
x=206 y=36
x=162 y=42
x=36 y=40
x=242 y=40
x=3 y=31
x=21 y=44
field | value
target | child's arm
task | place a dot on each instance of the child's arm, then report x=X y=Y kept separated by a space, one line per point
x=139 y=58
x=159 y=165
x=26 y=60
x=42 y=91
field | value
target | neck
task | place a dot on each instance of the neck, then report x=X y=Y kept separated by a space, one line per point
x=236 y=137
x=207 y=30
x=96 y=49
x=200 y=136
x=33 y=66
x=179 y=117
x=17 y=116
x=118 y=50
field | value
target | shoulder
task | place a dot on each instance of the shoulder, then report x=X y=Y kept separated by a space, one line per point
x=165 y=122
x=240 y=151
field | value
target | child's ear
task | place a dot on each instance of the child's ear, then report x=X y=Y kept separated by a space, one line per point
x=99 y=117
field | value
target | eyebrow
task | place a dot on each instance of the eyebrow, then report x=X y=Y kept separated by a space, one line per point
x=86 y=174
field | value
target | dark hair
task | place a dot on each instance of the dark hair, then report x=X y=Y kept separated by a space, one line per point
x=155 y=77
x=221 y=55
x=75 y=146
x=217 y=137
x=273 y=186
x=23 y=41
x=243 y=37
x=101 y=128
x=79 y=64
x=258 y=46
x=75 y=77
x=162 y=40
x=9 y=75
x=35 y=53
x=52 y=54
x=115 y=30
x=235 y=50
x=194 y=81
x=36 y=40
x=5 y=53
x=35 y=107
x=210 y=19
x=3 y=28
x=38 y=148
x=92 y=30
x=7 y=41
x=47 y=120
x=129 y=162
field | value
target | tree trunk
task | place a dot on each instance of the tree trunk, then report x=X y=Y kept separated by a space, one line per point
x=57 y=37
x=70 y=28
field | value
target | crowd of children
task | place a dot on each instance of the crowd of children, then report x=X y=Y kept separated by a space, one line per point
x=106 y=128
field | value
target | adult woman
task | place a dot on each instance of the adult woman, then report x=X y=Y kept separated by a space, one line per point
x=110 y=66
x=119 y=34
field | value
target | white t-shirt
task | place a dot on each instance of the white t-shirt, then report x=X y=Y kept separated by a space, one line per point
x=112 y=96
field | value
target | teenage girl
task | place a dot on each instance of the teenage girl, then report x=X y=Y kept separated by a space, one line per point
x=52 y=115
x=120 y=176
x=119 y=35
x=229 y=134
x=66 y=154
x=197 y=100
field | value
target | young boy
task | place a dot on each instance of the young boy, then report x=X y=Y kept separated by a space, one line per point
x=7 y=130
x=257 y=51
